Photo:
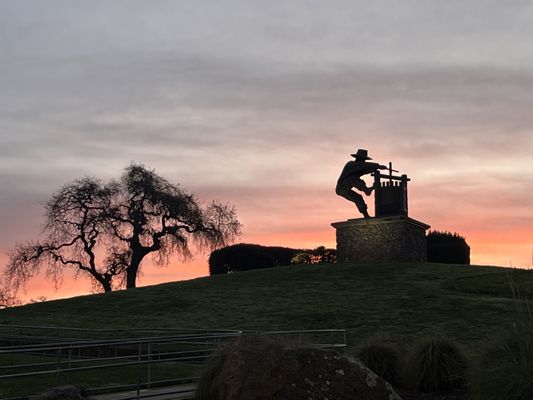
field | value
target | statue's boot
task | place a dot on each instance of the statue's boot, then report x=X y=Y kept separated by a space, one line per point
x=363 y=209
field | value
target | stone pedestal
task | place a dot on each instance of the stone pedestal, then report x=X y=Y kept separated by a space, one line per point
x=383 y=239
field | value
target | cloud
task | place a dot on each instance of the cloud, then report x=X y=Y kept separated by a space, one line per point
x=226 y=113
x=385 y=32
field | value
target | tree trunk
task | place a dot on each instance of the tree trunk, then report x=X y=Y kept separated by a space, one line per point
x=131 y=277
x=106 y=283
x=107 y=286
x=137 y=254
x=132 y=270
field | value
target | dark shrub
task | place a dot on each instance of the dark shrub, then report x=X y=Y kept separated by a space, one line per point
x=245 y=257
x=435 y=364
x=382 y=357
x=447 y=247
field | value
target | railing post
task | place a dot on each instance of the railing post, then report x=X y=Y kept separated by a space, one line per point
x=149 y=369
x=58 y=368
x=139 y=358
x=69 y=364
x=344 y=335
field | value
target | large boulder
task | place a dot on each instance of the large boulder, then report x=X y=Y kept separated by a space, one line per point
x=259 y=368
x=60 y=393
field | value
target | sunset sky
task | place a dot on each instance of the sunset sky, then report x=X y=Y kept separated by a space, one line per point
x=260 y=103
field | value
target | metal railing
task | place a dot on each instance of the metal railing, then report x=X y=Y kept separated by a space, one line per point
x=111 y=365
x=14 y=334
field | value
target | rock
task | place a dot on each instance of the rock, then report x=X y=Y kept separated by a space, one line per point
x=259 y=368
x=60 y=393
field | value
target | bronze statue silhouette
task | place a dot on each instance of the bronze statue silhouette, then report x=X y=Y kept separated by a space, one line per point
x=351 y=178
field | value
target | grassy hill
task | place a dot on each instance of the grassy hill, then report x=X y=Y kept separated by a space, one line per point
x=466 y=303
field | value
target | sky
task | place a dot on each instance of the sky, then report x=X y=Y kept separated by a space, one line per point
x=261 y=103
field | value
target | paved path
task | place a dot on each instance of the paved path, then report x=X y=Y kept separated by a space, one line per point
x=161 y=393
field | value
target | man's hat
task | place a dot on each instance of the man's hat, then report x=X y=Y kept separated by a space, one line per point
x=361 y=153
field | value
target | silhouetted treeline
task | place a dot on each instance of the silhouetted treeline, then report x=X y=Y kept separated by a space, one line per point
x=316 y=256
x=245 y=257
x=447 y=247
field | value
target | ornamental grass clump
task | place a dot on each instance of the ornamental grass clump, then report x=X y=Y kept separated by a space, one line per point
x=206 y=388
x=435 y=364
x=382 y=357
x=506 y=367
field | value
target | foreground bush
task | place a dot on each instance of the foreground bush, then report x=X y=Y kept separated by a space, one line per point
x=435 y=364
x=446 y=247
x=382 y=357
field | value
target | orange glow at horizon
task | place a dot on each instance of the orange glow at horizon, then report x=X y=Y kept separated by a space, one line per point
x=486 y=249
x=301 y=218
x=261 y=105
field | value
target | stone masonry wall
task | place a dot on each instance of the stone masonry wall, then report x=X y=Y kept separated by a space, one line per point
x=381 y=240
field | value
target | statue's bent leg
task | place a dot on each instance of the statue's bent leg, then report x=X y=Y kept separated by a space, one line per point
x=355 y=198
x=360 y=184
x=361 y=205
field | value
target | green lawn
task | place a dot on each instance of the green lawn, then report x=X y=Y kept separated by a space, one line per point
x=467 y=303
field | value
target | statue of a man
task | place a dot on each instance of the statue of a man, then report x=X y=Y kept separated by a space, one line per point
x=351 y=178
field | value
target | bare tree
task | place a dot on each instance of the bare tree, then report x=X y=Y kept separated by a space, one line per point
x=74 y=229
x=152 y=216
x=106 y=231
x=8 y=298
